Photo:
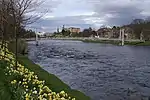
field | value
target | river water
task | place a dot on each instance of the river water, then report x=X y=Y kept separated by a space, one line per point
x=101 y=71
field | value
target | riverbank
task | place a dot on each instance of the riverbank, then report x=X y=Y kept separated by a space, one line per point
x=100 y=40
x=13 y=77
x=51 y=80
x=115 y=42
x=107 y=41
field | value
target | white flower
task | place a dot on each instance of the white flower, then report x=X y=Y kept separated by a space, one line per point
x=35 y=92
x=44 y=99
x=34 y=88
x=19 y=82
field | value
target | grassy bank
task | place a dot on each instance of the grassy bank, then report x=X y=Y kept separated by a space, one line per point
x=51 y=80
x=22 y=46
x=73 y=39
x=135 y=43
x=101 y=41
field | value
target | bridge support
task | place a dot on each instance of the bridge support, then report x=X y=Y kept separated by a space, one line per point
x=121 y=37
x=37 y=40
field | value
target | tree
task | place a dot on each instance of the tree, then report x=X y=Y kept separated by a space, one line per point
x=87 y=32
x=15 y=16
x=94 y=33
x=63 y=30
x=67 y=33
x=137 y=21
x=140 y=26
x=114 y=27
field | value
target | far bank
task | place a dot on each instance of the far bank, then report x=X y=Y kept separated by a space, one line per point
x=102 y=40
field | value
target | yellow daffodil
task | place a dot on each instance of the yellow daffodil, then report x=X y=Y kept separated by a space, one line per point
x=43 y=92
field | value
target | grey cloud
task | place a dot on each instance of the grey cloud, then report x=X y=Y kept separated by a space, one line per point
x=123 y=15
x=123 y=11
x=54 y=23
x=111 y=12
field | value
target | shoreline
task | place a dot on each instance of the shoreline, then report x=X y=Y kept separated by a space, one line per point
x=128 y=43
x=52 y=80
x=105 y=41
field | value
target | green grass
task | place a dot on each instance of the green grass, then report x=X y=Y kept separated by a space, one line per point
x=135 y=43
x=51 y=80
x=147 y=43
x=22 y=46
x=101 y=41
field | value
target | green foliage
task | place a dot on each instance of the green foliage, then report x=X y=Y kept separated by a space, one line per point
x=26 y=33
x=7 y=91
x=20 y=83
x=141 y=26
x=74 y=34
x=135 y=43
x=88 y=32
x=22 y=46
x=66 y=33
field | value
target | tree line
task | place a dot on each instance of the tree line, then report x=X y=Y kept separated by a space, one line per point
x=140 y=27
x=14 y=17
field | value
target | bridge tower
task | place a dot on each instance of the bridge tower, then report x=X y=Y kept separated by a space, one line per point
x=121 y=37
x=36 y=39
x=37 y=43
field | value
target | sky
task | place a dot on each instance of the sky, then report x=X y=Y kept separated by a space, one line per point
x=89 y=13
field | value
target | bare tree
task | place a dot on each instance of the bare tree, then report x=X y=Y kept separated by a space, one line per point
x=4 y=11
x=15 y=15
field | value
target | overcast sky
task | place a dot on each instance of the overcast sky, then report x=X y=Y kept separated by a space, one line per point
x=90 y=13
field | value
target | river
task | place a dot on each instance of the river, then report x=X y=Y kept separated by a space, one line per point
x=101 y=71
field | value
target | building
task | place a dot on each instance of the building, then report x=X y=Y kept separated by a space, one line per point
x=104 y=32
x=47 y=34
x=74 y=30
x=129 y=33
x=115 y=32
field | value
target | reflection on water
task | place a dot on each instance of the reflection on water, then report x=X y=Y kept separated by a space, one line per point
x=103 y=72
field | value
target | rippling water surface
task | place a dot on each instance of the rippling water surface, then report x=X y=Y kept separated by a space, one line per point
x=103 y=72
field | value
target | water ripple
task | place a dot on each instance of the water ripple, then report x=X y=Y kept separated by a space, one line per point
x=104 y=72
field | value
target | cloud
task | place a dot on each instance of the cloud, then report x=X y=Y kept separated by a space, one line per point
x=91 y=13
x=51 y=24
x=120 y=11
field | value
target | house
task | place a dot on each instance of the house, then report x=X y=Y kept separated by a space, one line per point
x=74 y=30
x=41 y=34
x=47 y=34
x=129 y=33
x=104 y=32
x=115 y=32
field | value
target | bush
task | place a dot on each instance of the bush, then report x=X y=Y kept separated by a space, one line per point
x=22 y=46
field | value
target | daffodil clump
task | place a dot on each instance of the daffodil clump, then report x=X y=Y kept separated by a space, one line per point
x=28 y=82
